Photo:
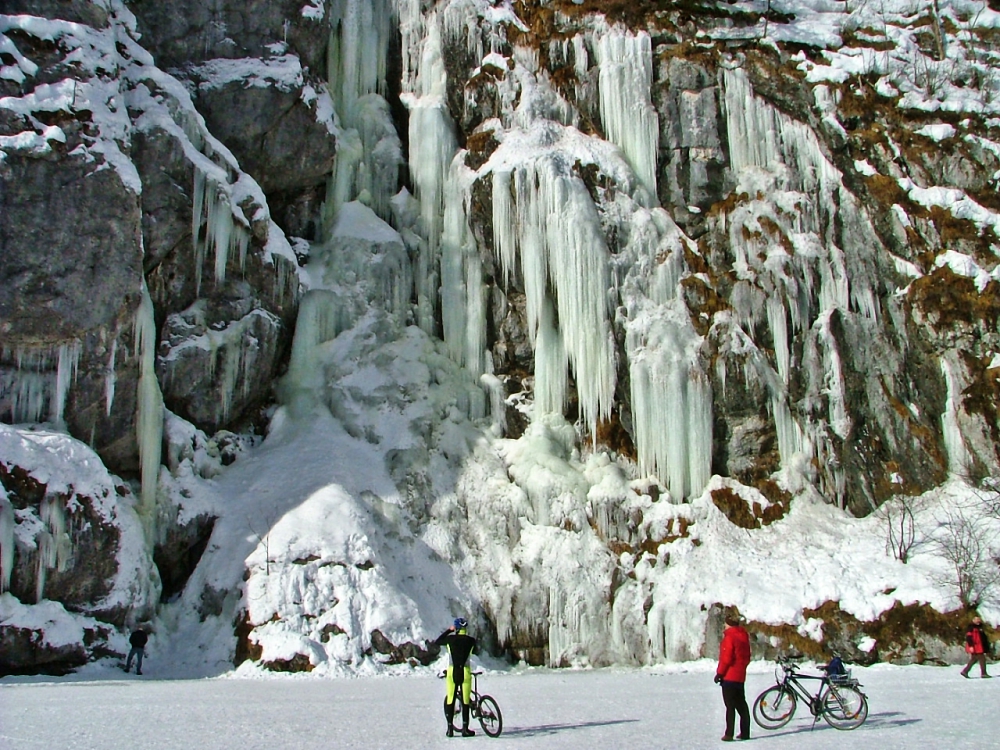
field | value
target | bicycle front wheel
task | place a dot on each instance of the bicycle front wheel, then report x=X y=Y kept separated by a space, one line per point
x=490 y=718
x=774 y=707
x=844 y=707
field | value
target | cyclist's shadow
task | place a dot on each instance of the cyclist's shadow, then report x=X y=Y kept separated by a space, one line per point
x=881 y=720
x=544 y=729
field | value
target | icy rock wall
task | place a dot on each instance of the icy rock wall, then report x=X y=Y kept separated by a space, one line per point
x=68 y=531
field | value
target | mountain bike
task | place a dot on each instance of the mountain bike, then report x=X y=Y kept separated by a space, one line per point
x=482 y=707
x=838 y=700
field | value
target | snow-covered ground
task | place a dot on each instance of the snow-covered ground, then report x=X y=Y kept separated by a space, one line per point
x=666 y=707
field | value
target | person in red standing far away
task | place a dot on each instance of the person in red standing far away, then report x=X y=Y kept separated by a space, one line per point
x=977 y=645
x=734 y=657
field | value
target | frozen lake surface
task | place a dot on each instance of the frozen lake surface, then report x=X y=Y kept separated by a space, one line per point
x=666 y=707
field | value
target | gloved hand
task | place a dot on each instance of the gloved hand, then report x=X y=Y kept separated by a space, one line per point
x=718 y=679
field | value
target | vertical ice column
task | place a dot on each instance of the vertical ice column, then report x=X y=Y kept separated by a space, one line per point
x=110 y=379
x=958 y=453
x=671 y=399
x=149 y=419
x=498 y=401
x=69 y=358
x=356 y=54
x=463 y=300
x=7 y=523
x=432 y=148
x=550 y=364
x=625 y=64
x=319 y=320
x=368 y=147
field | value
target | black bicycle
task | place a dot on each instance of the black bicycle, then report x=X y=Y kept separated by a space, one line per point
x=482 y=707
x=838 y=700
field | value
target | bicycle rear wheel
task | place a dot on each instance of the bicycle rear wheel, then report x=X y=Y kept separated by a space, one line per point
x=844 y=707
x=774 y=707
x=490 y=718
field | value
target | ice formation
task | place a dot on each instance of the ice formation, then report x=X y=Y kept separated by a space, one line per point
x=55 y=548
x=149 y=419
x=804 y=274
x=369 y=152
x=625 y=63
x=548 y=222
x=958 y=454
x=7 y=524
x=36 y=390
x=432 y=147
x=224 y=232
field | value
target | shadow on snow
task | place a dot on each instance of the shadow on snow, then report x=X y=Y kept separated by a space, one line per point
x=881 y=720
x=546 y=729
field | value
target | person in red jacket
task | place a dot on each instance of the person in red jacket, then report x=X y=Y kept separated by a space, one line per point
x=734 y=657
x=977 y=645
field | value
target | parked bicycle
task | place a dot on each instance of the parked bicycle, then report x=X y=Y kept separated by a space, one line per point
x=838 y=700
x=482 y=707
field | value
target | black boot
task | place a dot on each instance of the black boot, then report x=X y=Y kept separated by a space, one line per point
x=449 y=715
x=466 y=732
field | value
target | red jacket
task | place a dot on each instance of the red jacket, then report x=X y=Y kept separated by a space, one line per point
x=976 y=641
x=734 y=655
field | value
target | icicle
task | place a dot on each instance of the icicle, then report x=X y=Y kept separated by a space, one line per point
x=110 y=379
x=211 y=206
x=69 y=358
x=504 y=226
x=55 y=549
x=7 y=524
x=149 y=419
x=790 y=439
x=630 y=120
x=779 y=333
x=454 y=253
x=550 y=364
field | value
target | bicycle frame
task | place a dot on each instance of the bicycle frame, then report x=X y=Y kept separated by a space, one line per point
x=792 y=682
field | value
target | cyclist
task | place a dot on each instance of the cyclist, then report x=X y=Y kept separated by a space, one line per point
x=460 y=645
x=734 y=657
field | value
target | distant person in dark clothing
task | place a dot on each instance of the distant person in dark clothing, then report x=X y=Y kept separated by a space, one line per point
x=138 y=640
x=734 y=657
x=460 y=646
x=977 y=645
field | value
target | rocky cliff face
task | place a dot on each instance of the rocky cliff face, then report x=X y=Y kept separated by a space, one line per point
x=721 y=242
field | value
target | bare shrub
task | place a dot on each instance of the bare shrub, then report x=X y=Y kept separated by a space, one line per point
x=903 y=536
x=966 y=544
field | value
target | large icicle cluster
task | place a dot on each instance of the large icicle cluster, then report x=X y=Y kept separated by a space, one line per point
x=791 y=268
x=369 y=152
x=547 y=211
x=36 y=390
x=625 y=62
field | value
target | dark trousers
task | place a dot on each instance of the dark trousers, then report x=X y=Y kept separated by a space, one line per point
x=736 y=701
x=973 y=658
x=138 y=652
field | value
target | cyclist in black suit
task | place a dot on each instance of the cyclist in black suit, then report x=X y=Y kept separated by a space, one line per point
x=460 y=646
